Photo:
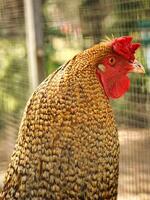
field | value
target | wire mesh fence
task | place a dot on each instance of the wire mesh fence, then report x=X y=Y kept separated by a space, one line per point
x=13 y=76
x=76 y=26
x=68 y=28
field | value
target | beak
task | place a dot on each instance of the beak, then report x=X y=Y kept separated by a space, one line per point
x=137 y=67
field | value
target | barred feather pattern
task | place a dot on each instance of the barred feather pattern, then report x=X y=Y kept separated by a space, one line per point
x=67 y=147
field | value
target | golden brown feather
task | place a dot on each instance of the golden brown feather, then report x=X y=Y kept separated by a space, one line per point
x=68 y=142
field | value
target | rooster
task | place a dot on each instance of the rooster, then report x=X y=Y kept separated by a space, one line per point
x=68 y=147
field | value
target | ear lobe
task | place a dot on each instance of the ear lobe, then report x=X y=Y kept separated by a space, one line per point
x=101 y=67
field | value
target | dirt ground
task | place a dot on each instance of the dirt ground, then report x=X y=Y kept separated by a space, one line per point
x=134 y=176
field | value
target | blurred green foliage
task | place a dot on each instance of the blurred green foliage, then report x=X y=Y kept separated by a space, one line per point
x=49 y=32
x=13 y=78
x=50 y=63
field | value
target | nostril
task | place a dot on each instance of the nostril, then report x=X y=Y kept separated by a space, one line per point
x=137 y=65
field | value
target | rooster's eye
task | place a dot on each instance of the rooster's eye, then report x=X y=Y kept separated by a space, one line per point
x=112 y=61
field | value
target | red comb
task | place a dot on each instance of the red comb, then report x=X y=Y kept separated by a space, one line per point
x=124 y=47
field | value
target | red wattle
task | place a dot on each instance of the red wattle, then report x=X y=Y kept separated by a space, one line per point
x=120 y=87
x=114 y=87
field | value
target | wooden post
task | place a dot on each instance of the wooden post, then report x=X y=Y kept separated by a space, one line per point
x=34 y=38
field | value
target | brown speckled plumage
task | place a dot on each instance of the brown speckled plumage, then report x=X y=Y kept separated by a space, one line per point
x=67 y=147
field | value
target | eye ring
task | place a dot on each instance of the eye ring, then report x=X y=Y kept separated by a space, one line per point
x=112 y=60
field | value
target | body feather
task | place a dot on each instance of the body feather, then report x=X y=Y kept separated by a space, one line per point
x=68 y=142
